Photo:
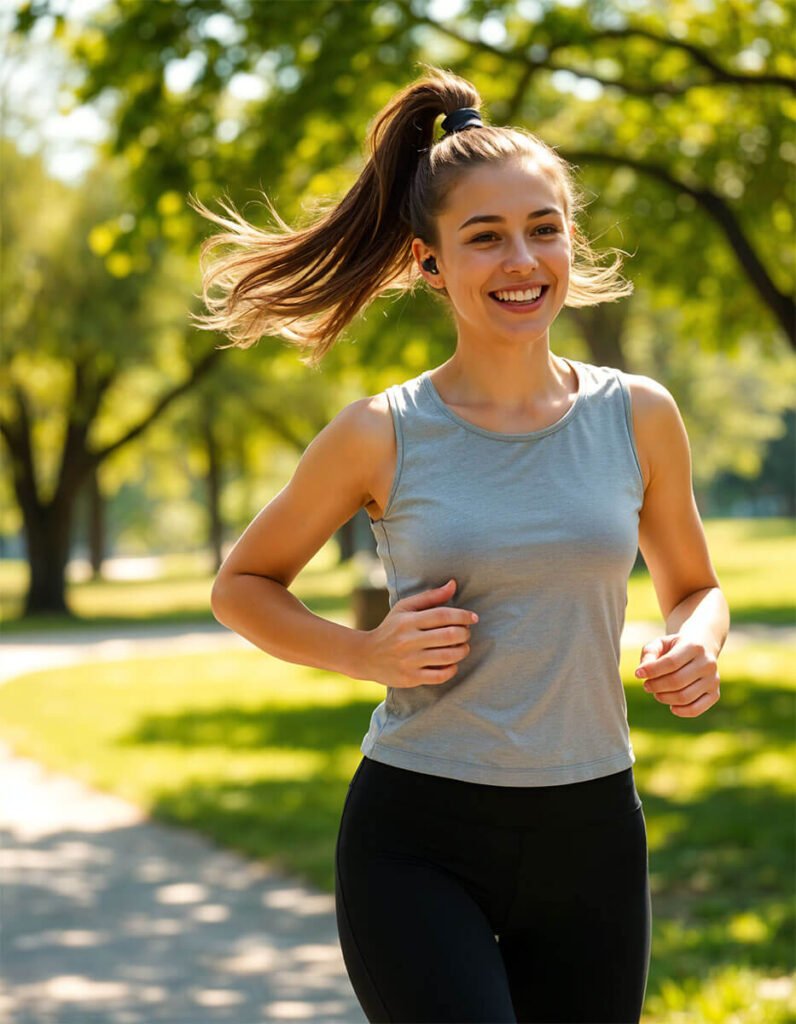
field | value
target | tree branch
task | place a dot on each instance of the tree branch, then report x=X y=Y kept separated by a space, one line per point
x=781 y=304
x=718 y=74
x=197 y=371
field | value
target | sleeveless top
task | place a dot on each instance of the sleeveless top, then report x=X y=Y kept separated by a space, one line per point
x=540 y=532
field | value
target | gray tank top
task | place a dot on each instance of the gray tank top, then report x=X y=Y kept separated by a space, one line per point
x=540 y=531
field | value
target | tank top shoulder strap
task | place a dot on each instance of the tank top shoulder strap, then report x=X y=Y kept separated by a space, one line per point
x=613 y=386
x=414 y=413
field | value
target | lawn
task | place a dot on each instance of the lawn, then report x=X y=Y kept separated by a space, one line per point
x=257 y=754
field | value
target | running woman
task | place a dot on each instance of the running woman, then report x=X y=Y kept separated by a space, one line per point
x=491 y=863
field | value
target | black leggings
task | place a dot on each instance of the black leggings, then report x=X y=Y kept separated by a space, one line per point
x=462 y=902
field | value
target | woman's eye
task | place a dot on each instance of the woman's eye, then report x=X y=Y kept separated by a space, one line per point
x=491 y=234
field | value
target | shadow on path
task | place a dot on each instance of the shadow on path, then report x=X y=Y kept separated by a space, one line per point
x=109 y=918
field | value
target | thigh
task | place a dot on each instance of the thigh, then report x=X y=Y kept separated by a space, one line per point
x=582 y=954
x=417 y=945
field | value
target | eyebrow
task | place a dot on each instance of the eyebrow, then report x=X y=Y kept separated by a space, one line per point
x=493 y=218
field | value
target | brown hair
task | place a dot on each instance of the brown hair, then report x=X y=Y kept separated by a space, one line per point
x=308 y=284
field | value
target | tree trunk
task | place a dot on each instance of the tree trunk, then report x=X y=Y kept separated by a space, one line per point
x=213 y=484
x=47 y=532
x=96 y=523
x=602 y=329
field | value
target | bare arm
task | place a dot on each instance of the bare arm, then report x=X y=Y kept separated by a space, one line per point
x=265 y=612
x=250 y=594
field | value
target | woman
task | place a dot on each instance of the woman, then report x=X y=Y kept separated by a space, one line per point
x=491 y=862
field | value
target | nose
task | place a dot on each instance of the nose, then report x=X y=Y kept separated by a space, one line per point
x=520 y=258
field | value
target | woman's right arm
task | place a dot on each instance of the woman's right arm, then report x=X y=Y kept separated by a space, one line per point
x=250 y=594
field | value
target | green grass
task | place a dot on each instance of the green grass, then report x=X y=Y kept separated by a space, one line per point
x=257 y=753
x=755 y=560
x=180 y=596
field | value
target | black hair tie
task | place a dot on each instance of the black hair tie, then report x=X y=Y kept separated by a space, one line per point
x=464 y=117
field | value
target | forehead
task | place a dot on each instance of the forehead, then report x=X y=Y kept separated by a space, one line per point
x=510 y=188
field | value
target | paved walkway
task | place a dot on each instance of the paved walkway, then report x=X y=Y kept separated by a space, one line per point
x=110 y=918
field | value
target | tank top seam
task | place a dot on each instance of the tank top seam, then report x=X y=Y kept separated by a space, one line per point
x=497 y=435
x=400 y=448
x=399 y=465
x=392 y=561
x=628 y=421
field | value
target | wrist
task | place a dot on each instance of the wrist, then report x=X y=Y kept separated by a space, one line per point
x=356 y=655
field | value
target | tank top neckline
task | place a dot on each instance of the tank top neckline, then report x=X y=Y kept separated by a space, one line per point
x=579 y=370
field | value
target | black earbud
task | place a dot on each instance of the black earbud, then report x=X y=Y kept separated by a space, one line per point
x=430 y=264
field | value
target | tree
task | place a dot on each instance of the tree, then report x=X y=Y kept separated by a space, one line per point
x=83 y=354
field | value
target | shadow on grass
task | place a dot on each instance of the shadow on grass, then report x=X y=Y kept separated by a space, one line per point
x=720 y=865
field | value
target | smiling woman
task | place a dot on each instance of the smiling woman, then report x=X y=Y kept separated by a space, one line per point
x=491 y=862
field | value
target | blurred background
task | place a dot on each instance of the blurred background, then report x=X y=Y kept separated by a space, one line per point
x=134 y=452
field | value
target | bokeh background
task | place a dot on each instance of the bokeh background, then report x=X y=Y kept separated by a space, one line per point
x=135 y=451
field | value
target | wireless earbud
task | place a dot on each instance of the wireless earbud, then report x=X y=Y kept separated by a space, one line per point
x=430 y=264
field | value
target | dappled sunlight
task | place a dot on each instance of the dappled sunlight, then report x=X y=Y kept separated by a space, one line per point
x=748 y=927
x=156 y=915
x=725 y=994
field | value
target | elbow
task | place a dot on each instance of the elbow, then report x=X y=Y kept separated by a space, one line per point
x=217 y=598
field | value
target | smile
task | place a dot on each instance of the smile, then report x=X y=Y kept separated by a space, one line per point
x=521 y=307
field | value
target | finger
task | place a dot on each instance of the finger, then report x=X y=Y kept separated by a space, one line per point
x=649 y=655
x=436 y=657
x=659 y=657
x=437 y=618
x=683 y=694
x=429 y=598
x=697 y=707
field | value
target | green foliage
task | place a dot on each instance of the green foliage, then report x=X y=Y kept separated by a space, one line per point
x=677 y=116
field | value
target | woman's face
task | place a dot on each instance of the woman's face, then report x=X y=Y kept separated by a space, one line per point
x=513 y=252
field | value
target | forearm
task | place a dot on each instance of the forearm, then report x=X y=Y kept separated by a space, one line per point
x=703 y=615
x=267 y=614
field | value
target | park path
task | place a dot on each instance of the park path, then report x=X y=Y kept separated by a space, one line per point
x=112 y=918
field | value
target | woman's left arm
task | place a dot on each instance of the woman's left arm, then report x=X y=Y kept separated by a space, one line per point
x=680 y=668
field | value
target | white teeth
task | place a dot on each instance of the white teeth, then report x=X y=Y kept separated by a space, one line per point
x=529 y=295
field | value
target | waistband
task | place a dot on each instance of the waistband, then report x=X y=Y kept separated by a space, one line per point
x=600 y=799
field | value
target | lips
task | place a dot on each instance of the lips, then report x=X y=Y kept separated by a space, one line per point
x=520 y=307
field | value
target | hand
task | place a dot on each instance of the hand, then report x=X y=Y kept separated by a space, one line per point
x=680 y=672
x=420 y=642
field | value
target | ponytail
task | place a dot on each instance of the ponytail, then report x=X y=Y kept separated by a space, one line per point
x=307 y=284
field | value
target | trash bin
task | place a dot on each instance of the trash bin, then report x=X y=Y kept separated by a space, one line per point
x=370 y=598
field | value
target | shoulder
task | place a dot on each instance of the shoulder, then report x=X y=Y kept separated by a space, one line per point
x=657 y=422
x=649 y=396
x=367 y=421
x=364 y=429
x=369 y=440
